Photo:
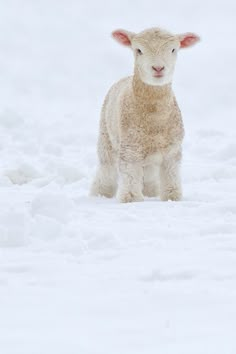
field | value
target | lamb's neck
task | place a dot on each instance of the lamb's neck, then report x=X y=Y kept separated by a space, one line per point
x=147 y=94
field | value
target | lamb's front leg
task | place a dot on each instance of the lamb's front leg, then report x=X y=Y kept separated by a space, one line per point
x=170 y=182
x=130 y=182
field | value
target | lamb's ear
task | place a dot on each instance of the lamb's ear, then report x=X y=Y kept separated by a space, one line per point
x=123 y=37
x=188 y=39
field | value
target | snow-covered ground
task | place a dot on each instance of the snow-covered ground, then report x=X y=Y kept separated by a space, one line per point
x=81 y=275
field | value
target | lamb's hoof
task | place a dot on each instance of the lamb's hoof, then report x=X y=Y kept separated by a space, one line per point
x=129 y=197
x=173 y=195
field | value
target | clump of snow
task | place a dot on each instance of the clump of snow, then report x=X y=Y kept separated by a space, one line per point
x=13 y=229
x=53 y=205
x=10 y=119
x=25 y=173
x=46 y=227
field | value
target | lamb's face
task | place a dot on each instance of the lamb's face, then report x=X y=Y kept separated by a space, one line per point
x=155 y=52
x=155 y=57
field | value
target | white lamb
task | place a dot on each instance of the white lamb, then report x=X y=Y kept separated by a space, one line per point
x=141 y=129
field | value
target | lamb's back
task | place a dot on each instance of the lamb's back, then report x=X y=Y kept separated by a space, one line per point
x=112 y=107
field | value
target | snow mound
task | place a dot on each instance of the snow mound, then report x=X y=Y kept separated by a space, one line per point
x=53 y=205
x=25 y=173
x=10 y=119
x=13 y=229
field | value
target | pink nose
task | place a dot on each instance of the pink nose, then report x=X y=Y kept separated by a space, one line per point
x=158 y=69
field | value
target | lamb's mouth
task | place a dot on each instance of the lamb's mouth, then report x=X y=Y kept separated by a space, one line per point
x=158 y=75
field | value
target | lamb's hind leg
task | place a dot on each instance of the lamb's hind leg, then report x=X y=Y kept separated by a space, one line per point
x=105 y=181
x=151 y=180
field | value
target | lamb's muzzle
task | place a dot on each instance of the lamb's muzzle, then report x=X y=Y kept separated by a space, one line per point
x=158 y=71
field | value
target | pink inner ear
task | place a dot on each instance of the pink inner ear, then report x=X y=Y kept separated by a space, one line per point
x=188 y=40
x=121 y=37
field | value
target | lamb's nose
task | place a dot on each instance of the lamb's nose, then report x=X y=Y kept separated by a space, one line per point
x=158 y=69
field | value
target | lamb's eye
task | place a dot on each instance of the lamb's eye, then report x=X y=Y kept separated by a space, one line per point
x=173 y=50
x=138 y=51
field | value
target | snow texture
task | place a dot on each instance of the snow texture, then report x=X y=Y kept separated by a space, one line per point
x=81 y=275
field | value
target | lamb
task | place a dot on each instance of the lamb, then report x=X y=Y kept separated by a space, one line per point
x=141 y=128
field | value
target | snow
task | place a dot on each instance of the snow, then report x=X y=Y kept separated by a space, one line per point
x=82 y=275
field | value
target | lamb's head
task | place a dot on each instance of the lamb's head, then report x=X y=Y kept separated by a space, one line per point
x=155 y=52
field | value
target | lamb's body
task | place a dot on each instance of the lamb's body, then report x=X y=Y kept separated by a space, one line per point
x=142 y=127
x=140 y=139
